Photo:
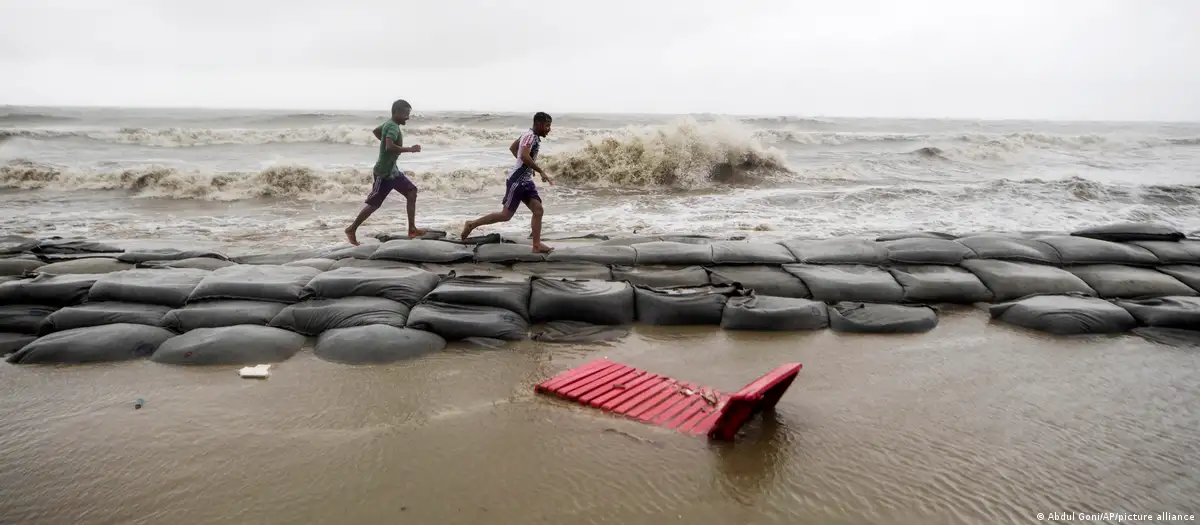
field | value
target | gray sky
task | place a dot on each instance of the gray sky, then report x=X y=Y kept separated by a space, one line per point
x=1085 y=59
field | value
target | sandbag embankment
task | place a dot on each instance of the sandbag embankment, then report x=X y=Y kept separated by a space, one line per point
x=313 y=316
x=457 y=321
x=684 y=306
x=939 y=284
x=1009 y=280
x=113 y=342
x=1074 y=314
x=277 y=283
x=221 y=313
x=167 y=254
x=167 y=287
x=14 y=266
x=424 y=251
x=50 y=290
x=376 y=344
x=1165 y=312
x=584 y=300
x=508 y=293
x=838 y=250
x=407 y=286
x=659 y=276
x=103 y=313
x=762 y=280
x=232 y=345
x=1131 y=231
x=868 y=318
x=833 y=283
x=763 y=313
x=23 y=318
x=1113 y=281
x=595 y=254
x=11 y=342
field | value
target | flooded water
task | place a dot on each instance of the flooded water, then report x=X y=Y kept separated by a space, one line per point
x=974 y=422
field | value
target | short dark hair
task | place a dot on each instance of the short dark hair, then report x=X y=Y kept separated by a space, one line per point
x=541 y=117
x=400 y=105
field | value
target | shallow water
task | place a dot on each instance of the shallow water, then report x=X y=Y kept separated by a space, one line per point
x=973 y=422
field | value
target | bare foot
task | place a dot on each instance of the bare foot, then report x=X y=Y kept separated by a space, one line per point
x=415 y=232
x=467 y=227
x=541 y=248
x=350 y=235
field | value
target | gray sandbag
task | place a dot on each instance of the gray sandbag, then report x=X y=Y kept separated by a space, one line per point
x=219 y=314
x=926 y=251
x=1131 y=231
x=170 y=287
x=1165 y=312
x=1068 y=314
x=839 y=250
x=507 y=253
x=750 y=252
x=362 y=251
x=592 y=253
x=404 y=285
x=1011 y=248
x=74 y=245
x=23 y=318
x=14 y=244
x=19 y=265
x=376 y=344
x=565 y=270
x=587 y=300
x=683 y=306
x=94 y=344
x=313 y=316
x=230 y=345
x=668 y=252
x=914 y=235
x=1185 y=273
x=1177 y=337
x=630 y=241
x=1082 y=250
x=275 y=258
x=1010 y=280
x=577 y=332
x=97 y=314
x=848 y=282
x=691 y=238
x=10 y=278
x=283 y=284
x=764 y=312
x=429 y=235
x=53 y=290
x=455 y=322
x=315 y=263
x=95 y=265
x=198 y=263
x=1128 y=282
x=351 y=262
x=567 y=236
x=1183 y=252
x=167 y=254
x=661 y=276
x=763 y=280
x=939 y=284
x=63 y=257
x=424 y=251
x=509 y=293
x=868 y=318
x=11 y=342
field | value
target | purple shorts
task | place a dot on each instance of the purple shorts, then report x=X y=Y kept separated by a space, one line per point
x=519 y=192
x=382 y=187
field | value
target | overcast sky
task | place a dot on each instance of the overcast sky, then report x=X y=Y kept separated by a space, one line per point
x=1085 y=59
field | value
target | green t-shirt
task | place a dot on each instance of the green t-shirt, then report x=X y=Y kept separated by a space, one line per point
x=387 y=159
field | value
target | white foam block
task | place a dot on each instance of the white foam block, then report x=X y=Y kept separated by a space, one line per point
x=255 y=372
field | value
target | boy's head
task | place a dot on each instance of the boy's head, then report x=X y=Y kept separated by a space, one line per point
x=400 y=111
x=541 y=123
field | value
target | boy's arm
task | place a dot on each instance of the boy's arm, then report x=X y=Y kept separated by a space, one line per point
x=389 y=142
x=378 y=131
x=513 y=147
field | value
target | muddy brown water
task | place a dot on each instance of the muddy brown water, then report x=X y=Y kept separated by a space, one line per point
x=974 y=422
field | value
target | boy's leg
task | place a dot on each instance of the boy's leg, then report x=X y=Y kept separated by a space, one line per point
x=510 y=202
x=534 y=202
x=379 y=191
x=409 y=190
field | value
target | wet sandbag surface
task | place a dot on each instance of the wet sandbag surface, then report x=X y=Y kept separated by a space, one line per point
x=508 y=293
x=588 y=301
x=23 y=318
x=217 y=314
x=1185 y=273
x=577 y=332
x=54 y=290
x=362 y=251
x=868 y=318
x=676 y=253
x=376 y=344
x=455 y=321
x=198 y=263
x=11 y=342
x=939 y=284
x=1065 y=315
x=404 y=285
x=95 y=344
x=231 y=345
x=1082 y=250
x=166 y=254
x=421 y=251
x=926 y=251
x=1165 y=312
x=74 y=245
x=92 y=265
x=507 y=253
x=274 y=259
x=565 y=270
x=762 y=312
x=313 y=316
x=1131 y=231
x=316 y=264
x=1007 y=248
x=1176 y=337
x=371 y=263
x=839 y=250
x=102 y=313
x=255 y=283
x=624 y=255
x=169 y=287
x=14 y=244
x=661 y=276
x=763 y=280
x=844 y=282
x=748 y=252
x=18 y=265
x=682 y=306
x=1009 y=280
x=1128 y=282
x=1182 y=252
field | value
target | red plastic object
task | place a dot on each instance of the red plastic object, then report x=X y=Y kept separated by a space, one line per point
x=660 y=400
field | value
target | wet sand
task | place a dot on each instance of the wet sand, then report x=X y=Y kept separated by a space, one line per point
x=974 y=422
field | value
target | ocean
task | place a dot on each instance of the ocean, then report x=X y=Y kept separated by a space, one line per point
x=256 y=178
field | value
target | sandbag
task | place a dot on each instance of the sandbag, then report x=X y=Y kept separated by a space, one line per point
x=429 y=235
x=763 y=280
x=750 y=252
x=914 y=235
x=939 y=284
x=839 y=250
x=1011 y=248
x=230 y=345
x=64 y=257
x=198 y=263
x=376 y=344
x=867 y=318
x=102 y=313
x=1071 y=314
x=219 y=314
x=508 y=293
x=1170 y=336
x=848 y=282
x=419 y=250
x=313 y=316
x=630 y=241
x=14 y=244
x=589 y=301
x=565 y=270
x=18 y=265
x=10 y=278
x=459 y=321
x=74 y=245
x=763 y=312
x=683 y=306
x=11 y=342
x=668 y=252
x=472 y=268
x=95 y=265
x=1128 y=282
x=661 y=276
x=167 y=254
x=1185 y=273
x=1010 y=280
x=596 y=254
x=404 y=285
x=53 y=290
x=275 y=258
x=1082 y=250
x=23 y=318
x=1131 y=231
x=166 y=287
x=1165 y=312
x=1182 y=252
x=362 y=251
x=926 y=251
x=578 y=332
x=315 y=263
x=507 y=253
x=350 y=262
x=276 y=283
x=94 y=344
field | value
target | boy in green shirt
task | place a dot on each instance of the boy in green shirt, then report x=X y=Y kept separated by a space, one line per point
x=387 y=177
